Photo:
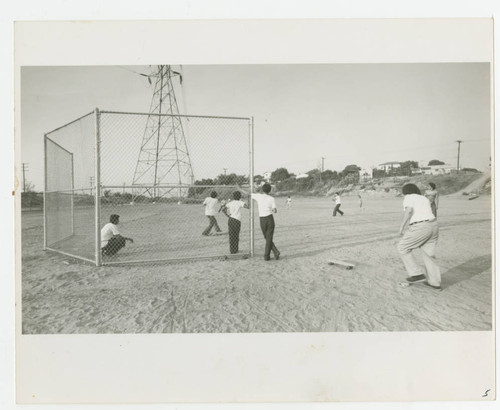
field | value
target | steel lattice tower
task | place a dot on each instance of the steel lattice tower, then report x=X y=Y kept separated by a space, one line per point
x=164 y=162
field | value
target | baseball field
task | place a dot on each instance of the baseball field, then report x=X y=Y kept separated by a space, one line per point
x=301 y=292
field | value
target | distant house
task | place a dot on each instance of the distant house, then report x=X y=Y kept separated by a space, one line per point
x=267 y=176
x=438 y=169
x=366 y=174
x=389 y=166
x=301 y=176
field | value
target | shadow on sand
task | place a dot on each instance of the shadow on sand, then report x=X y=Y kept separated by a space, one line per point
x=466 y=270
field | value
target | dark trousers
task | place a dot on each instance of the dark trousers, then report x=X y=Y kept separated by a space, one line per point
x=337 y=209
x=212 y=223
x=113 y=245
x=233 y=227
x=267 y=227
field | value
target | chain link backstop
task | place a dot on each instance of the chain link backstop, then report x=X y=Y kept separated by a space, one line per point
x=154 y=171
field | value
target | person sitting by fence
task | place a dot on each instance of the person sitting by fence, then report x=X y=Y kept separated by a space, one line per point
x=111 y=239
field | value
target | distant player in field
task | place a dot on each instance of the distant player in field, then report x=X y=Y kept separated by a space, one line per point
x=289 y=202
x=111 y=239
x=233 y=210
x=360 y=203
x=338 y=203
x=211 y=208
x=433 y=196
x=422 y=233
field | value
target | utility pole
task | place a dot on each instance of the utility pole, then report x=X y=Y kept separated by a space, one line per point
x=225 y=169
x=322 y=169
x=458 y=156
x=25 y=168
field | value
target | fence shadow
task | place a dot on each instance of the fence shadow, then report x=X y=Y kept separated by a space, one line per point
x=466 y=270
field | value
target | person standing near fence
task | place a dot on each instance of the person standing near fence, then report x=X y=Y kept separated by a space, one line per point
x=111 y=239
x=422 y=233
x=433 y=196
x=211 y=209
x=233 y=210
x=267 y=207
x=338 y=203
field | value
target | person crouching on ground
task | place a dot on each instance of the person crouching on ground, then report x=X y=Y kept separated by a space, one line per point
x=422 y=233
x=233 y=210
x=111 y=240
x=267 y=206
x=211 y=209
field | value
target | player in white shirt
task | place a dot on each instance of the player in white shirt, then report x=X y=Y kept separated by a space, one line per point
x=211 y=209
x=267 y=206
x=338 y=202
x=233 y=210
x=422 y=233
x=288 y=202
x=111 y=239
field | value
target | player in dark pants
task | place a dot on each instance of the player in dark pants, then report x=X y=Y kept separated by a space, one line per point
x=267 y=227
x=267 y=207
x=111 y=239
x=232 y=209
x=338 y=202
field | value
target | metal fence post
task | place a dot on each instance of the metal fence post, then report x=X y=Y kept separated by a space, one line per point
x=44 y=191
x=252 y=234
x=72 y=195
x=97 y=188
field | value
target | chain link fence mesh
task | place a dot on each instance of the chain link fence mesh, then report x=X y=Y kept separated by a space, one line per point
x=155 y=173
x=69 y=203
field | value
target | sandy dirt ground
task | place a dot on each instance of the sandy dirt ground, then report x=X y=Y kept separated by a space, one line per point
x=299 y=293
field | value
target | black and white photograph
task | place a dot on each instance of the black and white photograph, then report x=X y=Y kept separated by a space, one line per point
x=180 y=199
x=369 y=185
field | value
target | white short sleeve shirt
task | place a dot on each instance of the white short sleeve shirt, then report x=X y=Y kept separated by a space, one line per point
x=266 y=204
x=421 y=207
x=107 y=232
x=234 y=209
x=211 y=205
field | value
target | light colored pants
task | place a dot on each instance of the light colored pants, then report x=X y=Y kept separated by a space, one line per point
x=423 y=235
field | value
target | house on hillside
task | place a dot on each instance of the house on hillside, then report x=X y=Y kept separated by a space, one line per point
x=388 y=166
x=438 y=169
x=267 y=176
x=366 y=174
x=301 y=176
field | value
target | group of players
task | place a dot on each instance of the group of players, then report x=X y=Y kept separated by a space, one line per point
x=419 y=228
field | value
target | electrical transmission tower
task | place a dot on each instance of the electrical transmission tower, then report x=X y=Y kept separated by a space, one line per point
x=164 y=163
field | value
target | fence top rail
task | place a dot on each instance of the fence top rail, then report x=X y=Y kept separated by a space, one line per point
x=69 y=123
x=175 y=115
x=83 y=190
x=169 y=186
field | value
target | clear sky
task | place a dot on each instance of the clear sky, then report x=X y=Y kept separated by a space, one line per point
x=363 y=114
